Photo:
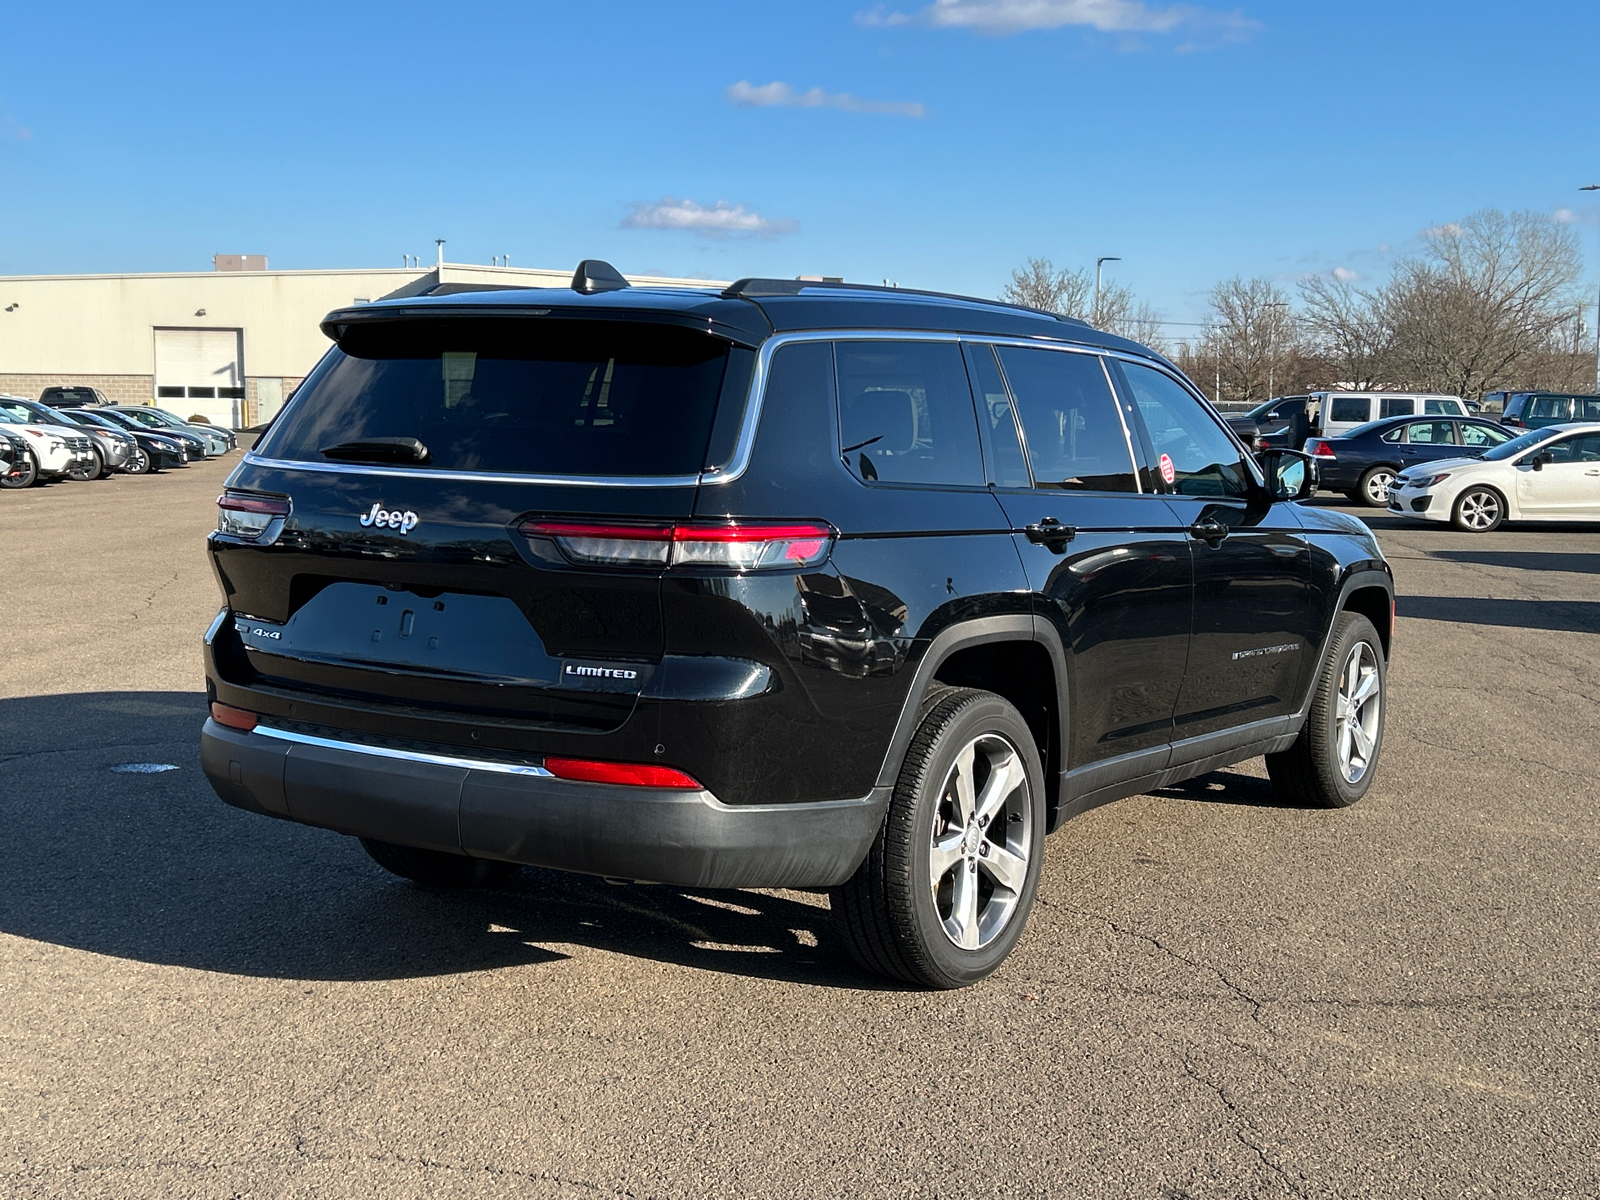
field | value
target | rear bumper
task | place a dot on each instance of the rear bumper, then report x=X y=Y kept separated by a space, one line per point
x=522 y=814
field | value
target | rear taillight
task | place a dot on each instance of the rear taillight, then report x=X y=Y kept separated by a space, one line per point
x=245 y=516
x=732 y=547
x=233 y=718
x=1321 y=449
x=627 y=774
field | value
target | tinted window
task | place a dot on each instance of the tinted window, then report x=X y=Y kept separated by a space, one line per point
x=1548 y=407
x=1204 y=459
x=1396 y=406
x=1350 y=408
x=1583 y=448
x=1430 y=433
x=905 y=413
x=1588 y=409
x=1075 y=439
x=1482 y=435
x=1442 y=407
x=1397 y=434
x=1009 y=469
x=555 y=398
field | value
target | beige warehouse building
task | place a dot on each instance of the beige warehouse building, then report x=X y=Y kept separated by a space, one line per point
x=229 y=345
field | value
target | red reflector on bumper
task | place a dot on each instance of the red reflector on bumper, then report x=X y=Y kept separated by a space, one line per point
x=233 y=718
x=627 y=774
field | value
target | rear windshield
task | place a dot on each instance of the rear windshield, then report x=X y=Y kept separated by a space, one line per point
x=515 y=396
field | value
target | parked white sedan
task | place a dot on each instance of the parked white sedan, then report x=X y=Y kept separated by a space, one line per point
x=1550 y=474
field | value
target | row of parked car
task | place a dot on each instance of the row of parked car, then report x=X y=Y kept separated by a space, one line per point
x=1429 y=457
x=76 y=433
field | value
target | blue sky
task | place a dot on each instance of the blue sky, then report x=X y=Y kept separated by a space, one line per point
x=936 y=144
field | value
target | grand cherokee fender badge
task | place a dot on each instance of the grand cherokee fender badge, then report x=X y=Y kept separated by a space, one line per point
x=1263 y=651
x=382 y=518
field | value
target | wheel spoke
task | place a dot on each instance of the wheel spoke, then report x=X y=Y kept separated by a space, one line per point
x=1345 y=743
x=946 y=854
x=1364 y=690
x=1363 y=741
x=1005 y=868
x=1002 y=781
x=963 y=773
x=964 y=909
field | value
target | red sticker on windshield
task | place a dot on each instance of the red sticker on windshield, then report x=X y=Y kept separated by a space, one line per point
x=1168 y=474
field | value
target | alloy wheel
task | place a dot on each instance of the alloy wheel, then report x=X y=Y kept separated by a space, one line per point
x=1378 y=484
x=982 y=839
x=1480 y=510
x=1359 y=712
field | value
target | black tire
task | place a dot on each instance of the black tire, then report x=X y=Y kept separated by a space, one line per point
x=892 y=913
x=1371 y=479
x=1478 y=510
x=139 y=464
x=1314 y=772
x=436 y=868
x=80 y=473
x=101 y=469
x=23 y=473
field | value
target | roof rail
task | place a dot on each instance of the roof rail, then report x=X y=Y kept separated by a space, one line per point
x=754 y=288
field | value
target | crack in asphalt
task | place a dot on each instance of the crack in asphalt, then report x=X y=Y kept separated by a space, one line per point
x=1295 y=1183
x=150 y=600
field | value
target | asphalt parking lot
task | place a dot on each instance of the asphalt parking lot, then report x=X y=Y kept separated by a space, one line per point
x=1217 y=996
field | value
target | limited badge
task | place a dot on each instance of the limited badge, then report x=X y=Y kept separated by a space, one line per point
x=1168 y=472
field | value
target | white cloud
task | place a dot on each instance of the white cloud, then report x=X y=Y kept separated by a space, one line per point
x=719 y=220
x=1005 y=17
x=1567 y=216
x=1448 y=230
x=1346 y=275
x=773 y=95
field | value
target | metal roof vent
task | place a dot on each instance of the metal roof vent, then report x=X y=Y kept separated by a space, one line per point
x=596 y=275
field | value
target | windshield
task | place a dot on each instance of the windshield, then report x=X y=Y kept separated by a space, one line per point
x=119 y=420
x=89 y=419
x=1517 y=445
x=597 y=398
x=148 y=420
x=162 y=417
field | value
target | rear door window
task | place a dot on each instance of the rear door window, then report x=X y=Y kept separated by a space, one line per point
x=1431 y=433
x=1350 y=409
x=1548 y=408
x=1075 y=437
x=1204 y=461
x=1396 y=406
x=1481 y=436
x=1009 y=468
x=579 y=398
x=905 y=413
x=1588 y=409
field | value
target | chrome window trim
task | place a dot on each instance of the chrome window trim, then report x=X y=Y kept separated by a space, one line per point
x=440 y=760
x=1217 y=419
x=633 y=481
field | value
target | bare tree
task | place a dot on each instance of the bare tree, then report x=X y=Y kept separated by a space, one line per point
x=1249 y=340
x=1039 y=284
x=1488 y=304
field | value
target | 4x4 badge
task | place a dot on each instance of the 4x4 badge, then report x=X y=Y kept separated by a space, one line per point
x=382 y=518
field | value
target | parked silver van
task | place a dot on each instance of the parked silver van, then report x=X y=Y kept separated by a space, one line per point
x=1340 y=412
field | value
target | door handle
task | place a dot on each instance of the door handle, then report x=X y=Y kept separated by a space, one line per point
x=1051 y=534
x=1210 y=531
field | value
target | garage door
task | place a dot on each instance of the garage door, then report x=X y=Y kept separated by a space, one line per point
x=200 y=372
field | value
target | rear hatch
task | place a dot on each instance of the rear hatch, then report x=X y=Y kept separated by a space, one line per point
x=414 y=502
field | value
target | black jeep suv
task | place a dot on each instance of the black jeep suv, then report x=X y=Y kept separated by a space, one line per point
x=784 y=585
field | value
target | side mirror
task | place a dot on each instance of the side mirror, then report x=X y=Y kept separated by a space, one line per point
x=1538 y=461
x=1291 y=474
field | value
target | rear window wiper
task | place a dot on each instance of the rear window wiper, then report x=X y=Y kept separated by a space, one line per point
x=380 y=450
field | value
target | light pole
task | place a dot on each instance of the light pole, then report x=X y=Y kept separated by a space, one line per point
x=1272 y=343
x=1595 y=187
x=1098 y=263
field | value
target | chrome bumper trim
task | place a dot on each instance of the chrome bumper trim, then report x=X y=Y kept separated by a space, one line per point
x=442 y=760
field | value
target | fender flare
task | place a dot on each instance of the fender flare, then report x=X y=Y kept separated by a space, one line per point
x=978 y=631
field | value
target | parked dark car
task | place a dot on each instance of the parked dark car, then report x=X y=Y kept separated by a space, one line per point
x=779 y=585
x=1537 y=410
x=158 y=420
x=1363 y=463
x=113 y=450
x=194 y=446
x=154 y=452
x=1283 y=421
x=72 y=396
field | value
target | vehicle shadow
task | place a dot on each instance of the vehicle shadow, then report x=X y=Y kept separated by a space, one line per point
x=1568 y=616
x=1526 y=560
x=151 y=866
x=1226 y=787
